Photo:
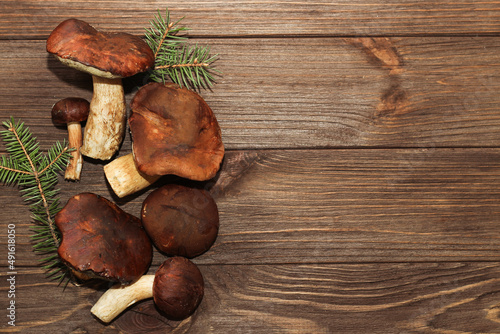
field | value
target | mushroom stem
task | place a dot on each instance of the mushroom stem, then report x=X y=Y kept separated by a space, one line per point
x=124 y=177
x=74 y=168
x=119 y=297
x=105 y=127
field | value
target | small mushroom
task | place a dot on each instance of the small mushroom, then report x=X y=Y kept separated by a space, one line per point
x=72 y=111
x=108 y=57
x=175 y=132
x=100 y=240
x=177 y=289
x=180 y=220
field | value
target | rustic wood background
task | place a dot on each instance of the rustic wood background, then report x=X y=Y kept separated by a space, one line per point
x=360 y=192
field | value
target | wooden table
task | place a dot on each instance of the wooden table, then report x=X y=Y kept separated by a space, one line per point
x=360 y=192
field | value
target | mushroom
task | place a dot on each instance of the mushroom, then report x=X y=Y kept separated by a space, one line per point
x=108 y=57
x=100 y=240
x=177 y=289
x=72 y=111
x=180 y=220
x=175 y=132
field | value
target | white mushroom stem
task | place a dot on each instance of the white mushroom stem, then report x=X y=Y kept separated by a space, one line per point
x=119 y=297
x=74 y=168
x=105 y=127
x=124 y=177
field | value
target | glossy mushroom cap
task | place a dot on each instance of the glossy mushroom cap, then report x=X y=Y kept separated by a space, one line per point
x=109 y=55
x=71 y=109
x=174 y=131
x=101 y=240
x=178 y=288
x=180 y=220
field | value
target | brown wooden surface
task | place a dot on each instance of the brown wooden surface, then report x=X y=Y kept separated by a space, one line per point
x=360 y=192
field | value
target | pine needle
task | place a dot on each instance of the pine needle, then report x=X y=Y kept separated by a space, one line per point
x=187 y=66
x=37 y=175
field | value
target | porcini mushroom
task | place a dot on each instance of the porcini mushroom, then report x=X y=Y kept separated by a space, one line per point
x=180 y=220
x=101 y=240
x=175 y=132
x=72 y=111
x=108 y=57
x=177 y=289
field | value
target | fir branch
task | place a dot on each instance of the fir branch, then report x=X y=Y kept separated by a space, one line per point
x=37 y=175
x=189 y=66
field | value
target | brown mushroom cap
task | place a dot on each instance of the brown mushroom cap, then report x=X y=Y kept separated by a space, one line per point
x=178 y=288
x=180 y=220
x=102 y=240
x=174 y=131
x=110 y=55
x=71 y=109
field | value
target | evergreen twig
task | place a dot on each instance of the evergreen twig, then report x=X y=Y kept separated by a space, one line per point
x=37 y=175
x=189 y=66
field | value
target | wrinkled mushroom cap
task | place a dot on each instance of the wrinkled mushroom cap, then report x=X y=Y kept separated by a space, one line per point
x=174 y=131
x=102 y=240
x=110 y=55
x=178 y=288
x=71 y=109
x=180 y=220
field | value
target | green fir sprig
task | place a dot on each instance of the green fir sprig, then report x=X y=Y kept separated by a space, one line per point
x=36 y=174
x=188 y=66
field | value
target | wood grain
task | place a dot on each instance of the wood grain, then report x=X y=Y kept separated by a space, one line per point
x=401 y=92
x=360 y=189
x=333 y=206
x=308 y=298
x=36 y=19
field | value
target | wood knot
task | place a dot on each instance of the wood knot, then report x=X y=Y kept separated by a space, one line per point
x=394 y=102
x=234 y=166
x=380 y=51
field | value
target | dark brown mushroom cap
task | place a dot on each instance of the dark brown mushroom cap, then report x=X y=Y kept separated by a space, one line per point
x=180 y=220
x=100 y=239
x=71 y=109
x=174 y=131
x=119 y=54
x=178 y=288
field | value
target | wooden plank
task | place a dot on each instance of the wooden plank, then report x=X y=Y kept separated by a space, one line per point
x=331 y=206
x=35 y=19
x=359 y=193
x=357 y=92
x=309 y=298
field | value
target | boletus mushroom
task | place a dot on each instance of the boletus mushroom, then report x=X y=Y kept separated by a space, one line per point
x=180 y=220
x=108 y=57
x=72 y=111
x=174 y=132
x=100 y=240
x=177 y=289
